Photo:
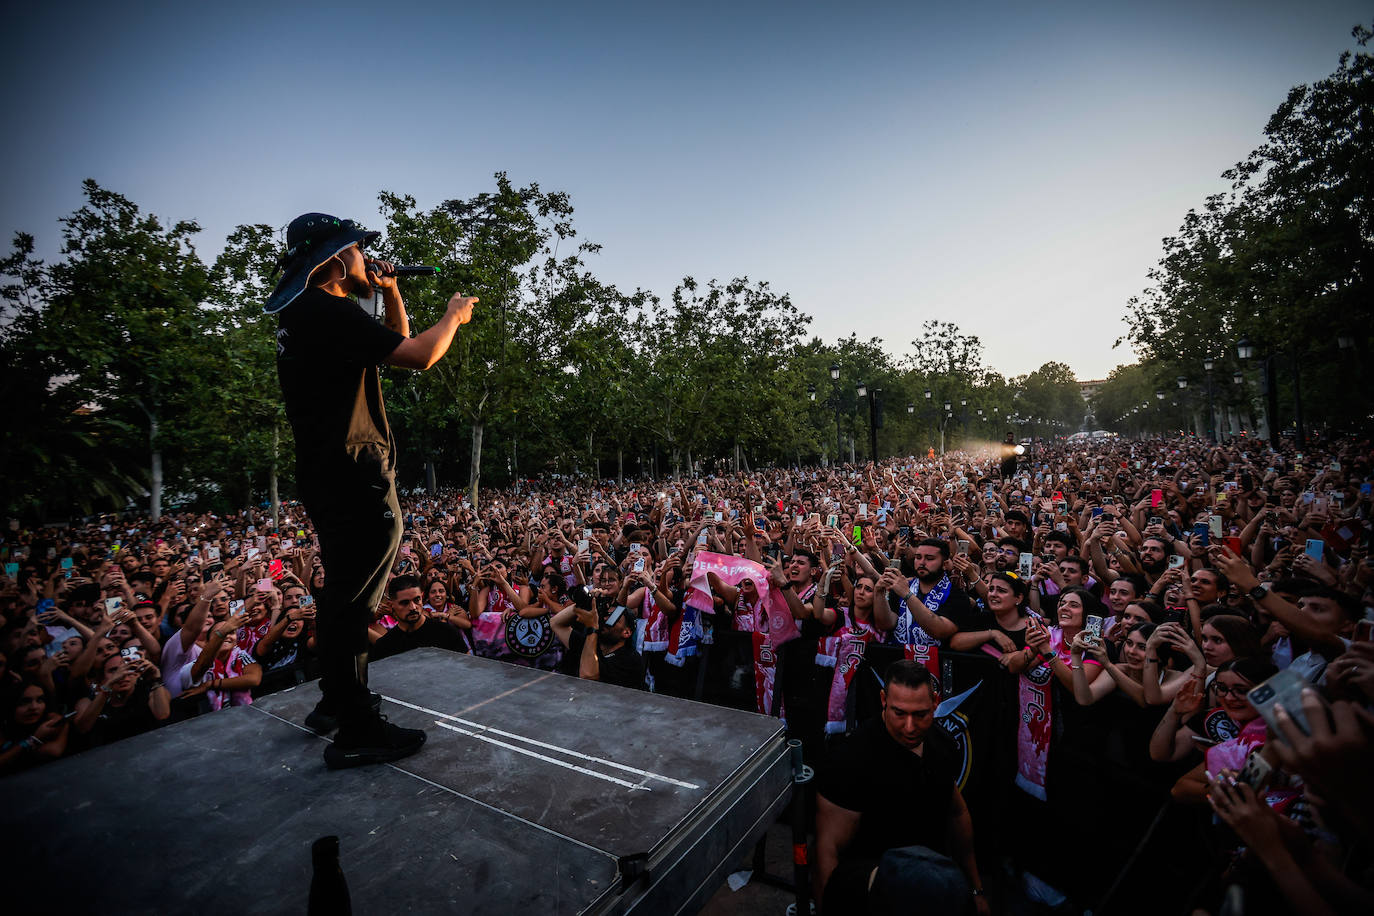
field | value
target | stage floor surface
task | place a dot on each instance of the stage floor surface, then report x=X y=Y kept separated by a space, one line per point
x=535 y=793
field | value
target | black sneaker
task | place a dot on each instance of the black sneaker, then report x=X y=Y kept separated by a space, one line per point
x=374 y=740
x=323 y=719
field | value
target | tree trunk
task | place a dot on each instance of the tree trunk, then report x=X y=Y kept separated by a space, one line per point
x=475 y=472
x=431 y=481
x=155 y=504
x=273 y=497
x=691 y=465
x=620 y=465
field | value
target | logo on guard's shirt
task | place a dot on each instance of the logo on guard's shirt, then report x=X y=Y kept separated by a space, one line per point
x=529 y=637
x=956 y=726
x=281 y=341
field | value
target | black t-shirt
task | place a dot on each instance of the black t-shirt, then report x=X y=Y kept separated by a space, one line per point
x=436 y=633
x=328 y=351
x=903 y=798
x=982 y=619
x=623 y=667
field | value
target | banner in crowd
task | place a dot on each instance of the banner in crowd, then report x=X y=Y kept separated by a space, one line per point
x=527 y=641
x=782 y=627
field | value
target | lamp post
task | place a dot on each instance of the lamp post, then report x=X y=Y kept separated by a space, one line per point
x=835 y=382
x=929 y=414
x=1207 y=365
x=963 y=404
x=1182 y=384
x=874 y=416
x=944 y=424
x=862 y=391
x=1268 y=388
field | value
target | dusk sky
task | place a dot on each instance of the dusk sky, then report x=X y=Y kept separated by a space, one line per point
x=1008 y=167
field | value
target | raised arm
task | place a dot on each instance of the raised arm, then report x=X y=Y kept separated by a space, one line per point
x=426 y=348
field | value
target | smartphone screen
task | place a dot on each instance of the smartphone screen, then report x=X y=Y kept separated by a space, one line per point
x=1316 y=549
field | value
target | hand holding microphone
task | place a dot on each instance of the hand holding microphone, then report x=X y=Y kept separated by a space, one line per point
x=384 y=274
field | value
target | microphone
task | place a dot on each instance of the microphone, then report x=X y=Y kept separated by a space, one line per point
x=403 y=270
x=414 y=270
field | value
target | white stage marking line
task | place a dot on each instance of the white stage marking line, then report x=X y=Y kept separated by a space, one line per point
x=548 y=747
x=538 y=756
x=544 y=677
x=476 y=801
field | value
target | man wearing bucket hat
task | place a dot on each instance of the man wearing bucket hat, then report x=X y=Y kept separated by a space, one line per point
x=329 y=351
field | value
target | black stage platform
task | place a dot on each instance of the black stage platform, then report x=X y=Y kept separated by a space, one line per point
x=536 y=793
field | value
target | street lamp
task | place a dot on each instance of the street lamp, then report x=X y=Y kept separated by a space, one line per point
x=811 y=392
x=862 y=391
x=1207 y=365
x=910 y=409
x=1345 y=341
x=1269 y=390
x=1238 y=377
x=1182 y=381
x=835 y=398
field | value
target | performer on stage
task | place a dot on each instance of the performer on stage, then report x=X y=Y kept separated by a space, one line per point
x=328 y=353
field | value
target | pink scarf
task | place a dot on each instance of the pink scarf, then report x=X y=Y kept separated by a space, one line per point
x=1033 y=726
x=845 y=651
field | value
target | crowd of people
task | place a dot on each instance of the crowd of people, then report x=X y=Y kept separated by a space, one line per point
x=1168 y=642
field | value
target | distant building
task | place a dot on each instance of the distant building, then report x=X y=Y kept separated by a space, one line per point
x=1088 y=389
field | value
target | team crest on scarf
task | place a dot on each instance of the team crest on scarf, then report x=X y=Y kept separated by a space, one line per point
x=529 y=637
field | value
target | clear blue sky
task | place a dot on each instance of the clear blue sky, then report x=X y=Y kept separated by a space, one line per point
x=1009 y=168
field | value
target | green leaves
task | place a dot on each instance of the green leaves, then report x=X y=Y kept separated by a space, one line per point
x=1283 y=258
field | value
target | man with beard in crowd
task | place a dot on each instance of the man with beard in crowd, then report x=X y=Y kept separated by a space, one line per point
x=413 y=629
x=928 y=604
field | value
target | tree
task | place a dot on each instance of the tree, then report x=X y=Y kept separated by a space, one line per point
x=1051 y=395
x=1284 y=258
x=122 y=321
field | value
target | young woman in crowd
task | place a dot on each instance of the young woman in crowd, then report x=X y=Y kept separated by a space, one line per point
x=32 y=731
x=1185 y=731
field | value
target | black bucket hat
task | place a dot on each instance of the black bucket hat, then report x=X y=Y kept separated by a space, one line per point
x=311 y=239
